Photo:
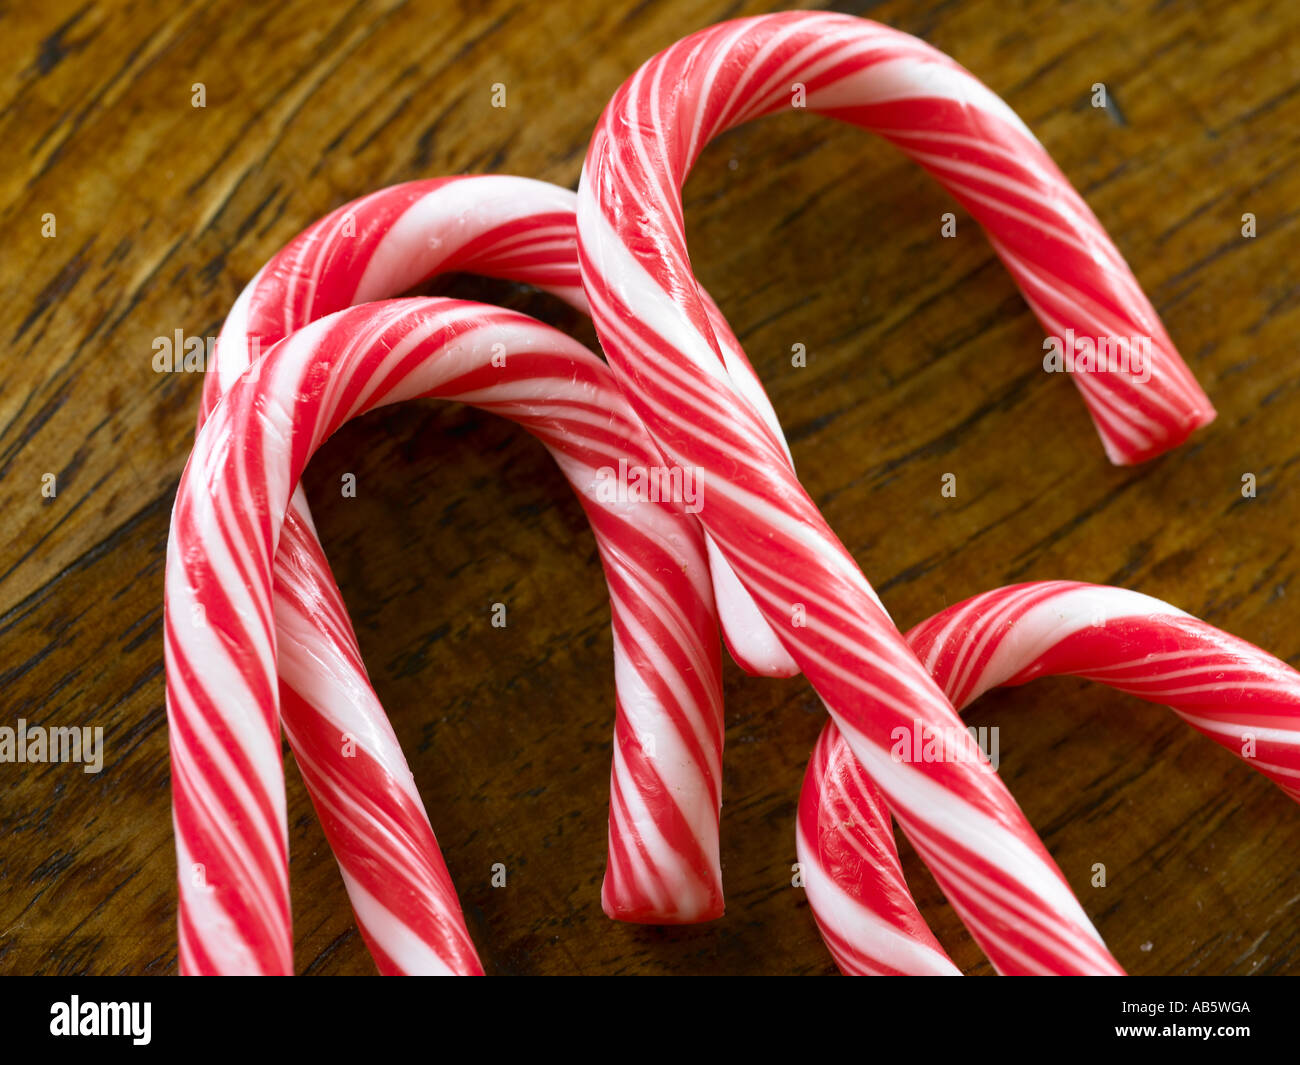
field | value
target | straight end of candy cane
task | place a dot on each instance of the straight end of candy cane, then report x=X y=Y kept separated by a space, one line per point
x=664 y=891
x=630 y=912
x=750 y=640
x=1142 y=397
x=664 y=865
x=1169 y=435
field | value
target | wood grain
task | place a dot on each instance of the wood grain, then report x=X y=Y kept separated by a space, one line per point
x=923 y=360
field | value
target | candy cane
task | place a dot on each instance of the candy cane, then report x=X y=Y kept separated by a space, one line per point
x=658 y=337
x=852 y=875
x=1241 y=697
x=383 y=244
x=358 y=779
x=390 y=241
x=935 y=112
x=223 y=705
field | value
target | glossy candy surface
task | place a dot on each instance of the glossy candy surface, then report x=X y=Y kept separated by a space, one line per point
x=221 y=643
x=660 y=342
x=1241 y=697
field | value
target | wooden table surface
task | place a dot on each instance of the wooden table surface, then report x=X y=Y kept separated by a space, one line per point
x=922 y=360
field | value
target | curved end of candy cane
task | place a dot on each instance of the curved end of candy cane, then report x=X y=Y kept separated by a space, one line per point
x=750 y=640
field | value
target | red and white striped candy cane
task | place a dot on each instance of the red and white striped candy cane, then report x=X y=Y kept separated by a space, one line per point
x=966 y=136
x=358 y=778
x=660 y=342
x=378 y=245
x=852 y=875
x=1241 y=697
x=221 y=638
x=512 y=228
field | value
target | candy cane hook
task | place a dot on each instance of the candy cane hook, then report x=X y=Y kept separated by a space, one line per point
x=221 y=640
x=1240 y=696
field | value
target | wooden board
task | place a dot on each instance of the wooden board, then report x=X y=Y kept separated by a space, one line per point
x=922 y=360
